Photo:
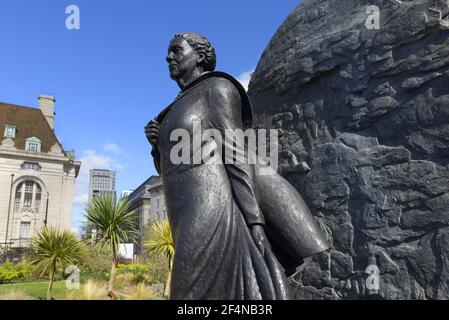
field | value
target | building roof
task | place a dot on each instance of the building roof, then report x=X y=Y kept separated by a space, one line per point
x=151 y=182
x=29 y=122
x=102 y=171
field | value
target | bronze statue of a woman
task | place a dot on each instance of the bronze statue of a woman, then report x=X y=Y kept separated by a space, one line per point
x=236 y=232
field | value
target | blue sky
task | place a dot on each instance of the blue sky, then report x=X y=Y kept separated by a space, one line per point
x=110 y=77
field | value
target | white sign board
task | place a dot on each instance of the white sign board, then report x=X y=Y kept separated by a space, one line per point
x=126 y=251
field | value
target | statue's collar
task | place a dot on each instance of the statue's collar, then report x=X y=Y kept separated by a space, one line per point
x=192 y=84
x=247 y=113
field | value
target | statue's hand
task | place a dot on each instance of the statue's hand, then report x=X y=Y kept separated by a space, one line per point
x=152 y=132
x=259 y=237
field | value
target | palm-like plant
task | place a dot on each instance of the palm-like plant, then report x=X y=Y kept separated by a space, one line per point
x=117 y=224
x=52 y=249
x=160 y=241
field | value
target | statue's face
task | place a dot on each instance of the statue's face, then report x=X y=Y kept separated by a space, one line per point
x=182 y=58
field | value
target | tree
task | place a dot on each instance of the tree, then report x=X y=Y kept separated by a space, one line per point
x=160 y=241
x=116 y=223
x=52 y=249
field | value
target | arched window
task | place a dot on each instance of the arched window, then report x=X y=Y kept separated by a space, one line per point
x=28 y=197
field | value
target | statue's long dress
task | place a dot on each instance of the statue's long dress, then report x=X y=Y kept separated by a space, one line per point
x=212 y=206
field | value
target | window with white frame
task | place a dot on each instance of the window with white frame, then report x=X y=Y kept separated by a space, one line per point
x=17 y=201
x=28 y=197
x=29 y=186
x=33 y=144
x=25 y=228
x=33 y=147
x=31 y=166
x=10 y=131
x=37 y=198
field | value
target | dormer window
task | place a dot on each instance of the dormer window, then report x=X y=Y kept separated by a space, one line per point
x=33 y=145
x=10 y=132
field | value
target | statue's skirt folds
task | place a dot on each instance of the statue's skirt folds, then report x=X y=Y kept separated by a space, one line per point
x=290 y=226
x=216 y=257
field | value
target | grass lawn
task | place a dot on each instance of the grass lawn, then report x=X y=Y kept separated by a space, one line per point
x=88 y=291
x=38 y=290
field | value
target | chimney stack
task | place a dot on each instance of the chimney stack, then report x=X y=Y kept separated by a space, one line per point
x=47 y=107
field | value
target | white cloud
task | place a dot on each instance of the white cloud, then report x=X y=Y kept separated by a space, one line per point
x=245 y=77
x=111 y=148
x=81 y=198
x=92 y=159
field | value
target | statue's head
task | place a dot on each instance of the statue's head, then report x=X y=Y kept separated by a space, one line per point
x=189 y=51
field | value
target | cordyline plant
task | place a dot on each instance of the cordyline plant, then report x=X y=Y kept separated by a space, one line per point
x=116 y=223
x=54 y=249
x=160 y=241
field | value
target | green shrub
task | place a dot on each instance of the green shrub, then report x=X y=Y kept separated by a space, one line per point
x=138 y=278
x=158 y=265
x=135 y=268
x=10 y=272
x=140 y=273
x=96 y=265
